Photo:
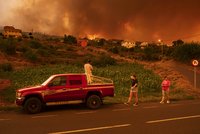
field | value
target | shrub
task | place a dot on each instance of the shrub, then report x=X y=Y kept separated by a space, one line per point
x=119 y=49
x=8 y=46
x=6 y=67
x=104 y=61
x=31 y=56
x=152 y=52
x=35 y=44
x=97 y=43
x=69 y=39
x=186 y=52
x=43 y=52
x=114 y=50
x=23 y=48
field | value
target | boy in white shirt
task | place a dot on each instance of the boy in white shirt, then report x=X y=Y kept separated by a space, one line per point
x=88 y=71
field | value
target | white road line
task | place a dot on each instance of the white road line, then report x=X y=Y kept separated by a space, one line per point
x=88 y=112
x=124 y=109
x=4 y=119
x=173 y=119
x=45 y=116
x=91 y=129
x=150 y=107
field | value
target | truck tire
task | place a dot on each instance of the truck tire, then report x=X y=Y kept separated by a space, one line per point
x=33 y=105
x=93 y=102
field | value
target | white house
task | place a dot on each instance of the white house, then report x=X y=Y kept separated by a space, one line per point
x=128 y=44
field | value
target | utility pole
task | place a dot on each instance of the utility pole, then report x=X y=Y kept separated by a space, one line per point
x=162 y=47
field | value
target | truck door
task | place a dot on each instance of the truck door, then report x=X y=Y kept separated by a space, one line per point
x=75 y=87
x=56 y=89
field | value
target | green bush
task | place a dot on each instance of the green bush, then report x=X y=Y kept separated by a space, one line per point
x=114 y=50
x=119 y=49
x=69 y=39
x=104 y=61
x=23 y=48
x=97 y=43
x=43 y=52
x=34 y=44
x=8 y=46
x=186 y=52
x=152 y=52
x=6 y=67
x=31 y=56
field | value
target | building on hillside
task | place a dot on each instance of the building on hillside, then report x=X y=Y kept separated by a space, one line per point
x=128 y=44
x=144 y=44
x=10 y=31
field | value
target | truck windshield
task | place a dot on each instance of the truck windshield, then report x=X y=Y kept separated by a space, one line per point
x=47 y=81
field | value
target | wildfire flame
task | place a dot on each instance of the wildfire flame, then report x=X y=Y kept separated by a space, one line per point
x=92 y=37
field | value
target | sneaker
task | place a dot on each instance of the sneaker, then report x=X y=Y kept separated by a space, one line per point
x=168 y=102
x=162 y=102
x=126 y=103
x=136 y=104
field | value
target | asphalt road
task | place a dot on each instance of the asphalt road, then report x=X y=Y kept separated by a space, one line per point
x=181 y=117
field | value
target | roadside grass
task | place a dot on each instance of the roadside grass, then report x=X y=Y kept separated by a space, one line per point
x=180 y=94
x=11 y=107
x=149 y=83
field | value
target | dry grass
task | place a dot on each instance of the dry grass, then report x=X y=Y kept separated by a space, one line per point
x=180 y=82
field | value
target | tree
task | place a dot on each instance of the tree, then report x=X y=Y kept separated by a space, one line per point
x=70 y=39
x=152 y=52
x=178 y=42
x=186 y=52
x=101 y=42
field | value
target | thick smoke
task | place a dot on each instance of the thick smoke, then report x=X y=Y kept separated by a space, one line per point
x=141 y=20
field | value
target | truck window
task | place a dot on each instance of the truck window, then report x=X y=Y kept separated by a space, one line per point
x=58 y=81
x=75 y=82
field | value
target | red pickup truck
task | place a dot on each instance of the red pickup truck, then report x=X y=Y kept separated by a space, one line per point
x=62 y=88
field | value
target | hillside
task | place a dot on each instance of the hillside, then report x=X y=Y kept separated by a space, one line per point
x=31 y=53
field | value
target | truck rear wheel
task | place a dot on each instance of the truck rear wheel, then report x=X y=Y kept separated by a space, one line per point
x=93 y=101
x=33 y=105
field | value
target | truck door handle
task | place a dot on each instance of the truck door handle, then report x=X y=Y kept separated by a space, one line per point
x=64 y=89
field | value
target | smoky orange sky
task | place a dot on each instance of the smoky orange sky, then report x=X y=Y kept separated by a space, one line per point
x=137 y=20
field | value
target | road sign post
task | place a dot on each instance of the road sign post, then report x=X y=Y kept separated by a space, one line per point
x=195 y=77
x=195 y=63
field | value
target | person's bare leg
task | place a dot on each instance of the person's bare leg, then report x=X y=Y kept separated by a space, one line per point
x=163 y=97
x=135 y=98
x=130 y=97
x=167 y=96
